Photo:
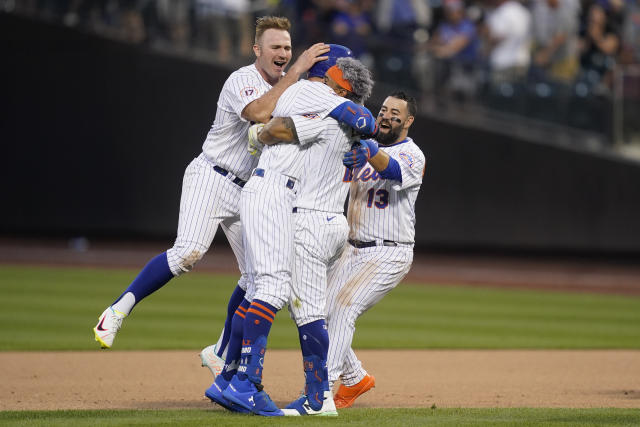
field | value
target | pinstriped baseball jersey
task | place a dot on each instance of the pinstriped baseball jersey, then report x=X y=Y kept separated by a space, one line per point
x=304 y=97
x=382 y=209
x=321 y=185
x=226 y=142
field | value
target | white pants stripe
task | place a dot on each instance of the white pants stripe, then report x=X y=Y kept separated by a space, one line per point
x=208 y=199
x=359 y=280
x=318 y=242
x=265 y=208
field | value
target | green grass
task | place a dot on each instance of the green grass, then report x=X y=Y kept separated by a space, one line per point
x=55 y=309
x=352 y=417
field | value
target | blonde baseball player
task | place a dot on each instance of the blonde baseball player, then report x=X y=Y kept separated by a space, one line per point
x=385 y=179
x=266 y=206
x=213 y=181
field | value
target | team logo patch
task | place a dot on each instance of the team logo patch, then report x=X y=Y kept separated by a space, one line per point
x=361 y=122
x=311 y=116
x=248 y=91
x=407 y=158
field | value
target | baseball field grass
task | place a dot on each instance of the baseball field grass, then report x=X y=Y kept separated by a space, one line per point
x=522 y=417
x=54 y=308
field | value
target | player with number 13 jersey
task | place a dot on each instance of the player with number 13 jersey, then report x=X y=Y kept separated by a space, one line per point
x=381 y=209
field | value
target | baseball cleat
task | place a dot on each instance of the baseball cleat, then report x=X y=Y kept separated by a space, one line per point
x=251 y=396
x=215 y=394
x=346 y=395
x=109 y=323
x=211 y=360
x=301 y=407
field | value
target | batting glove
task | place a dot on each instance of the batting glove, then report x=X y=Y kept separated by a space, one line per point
x=359 y=154
x=254 y=147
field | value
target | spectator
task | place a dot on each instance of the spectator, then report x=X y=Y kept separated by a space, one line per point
x=631 y=34
x=224 y=26
x=174 y=14
x=599 y=46
x=351 y=26
x=455 y=48
x=400 y=23
x=556 y=25
x=508 y=39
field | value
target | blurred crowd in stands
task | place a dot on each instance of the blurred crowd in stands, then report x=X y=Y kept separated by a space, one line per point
x=455 y=49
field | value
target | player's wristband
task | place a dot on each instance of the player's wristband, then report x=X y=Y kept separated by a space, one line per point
x=392 y=171
x=371 y=146
x=356 y=116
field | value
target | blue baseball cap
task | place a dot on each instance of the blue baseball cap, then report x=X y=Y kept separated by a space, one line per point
x=336 y=51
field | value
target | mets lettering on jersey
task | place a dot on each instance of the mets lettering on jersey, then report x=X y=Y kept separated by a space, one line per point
x=362 y=174
x=381 y=209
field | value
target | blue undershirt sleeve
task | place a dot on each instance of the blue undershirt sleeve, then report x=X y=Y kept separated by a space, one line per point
x=392 y=171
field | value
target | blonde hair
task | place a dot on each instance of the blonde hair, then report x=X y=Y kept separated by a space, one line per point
x=265 y=23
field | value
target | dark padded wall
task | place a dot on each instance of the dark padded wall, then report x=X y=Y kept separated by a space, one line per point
x=96 y=135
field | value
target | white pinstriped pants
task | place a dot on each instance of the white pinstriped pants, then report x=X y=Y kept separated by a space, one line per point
x=265 y=209
x=208 y=199
x=358 y=281
x=318 y=242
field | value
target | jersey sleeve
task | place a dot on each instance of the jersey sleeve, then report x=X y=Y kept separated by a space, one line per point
x=308 y=127
x=412 y=166
x=239 y=91
x=307 y=98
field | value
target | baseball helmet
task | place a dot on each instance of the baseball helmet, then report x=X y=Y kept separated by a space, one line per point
x=336 y=51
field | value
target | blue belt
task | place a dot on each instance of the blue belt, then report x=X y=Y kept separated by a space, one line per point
x=360 y=245
x=225 y=172
x=260 y=172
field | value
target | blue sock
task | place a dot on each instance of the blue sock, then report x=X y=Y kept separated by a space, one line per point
x=235 y=341
x=314 y=339
x=153 y=276
x=257 y=324
x=237 y=297
x=314 y=342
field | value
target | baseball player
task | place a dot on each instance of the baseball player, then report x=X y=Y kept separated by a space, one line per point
x=266 y=211
x=213 y=181
x=320 y=227
x=385 y=179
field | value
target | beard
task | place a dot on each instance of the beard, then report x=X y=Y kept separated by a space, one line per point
x=389 y=137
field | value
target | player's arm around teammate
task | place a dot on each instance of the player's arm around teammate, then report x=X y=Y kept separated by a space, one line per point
x=338 y=77
x=278 y=51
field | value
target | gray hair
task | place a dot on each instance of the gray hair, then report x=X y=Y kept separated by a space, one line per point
x=359 y=76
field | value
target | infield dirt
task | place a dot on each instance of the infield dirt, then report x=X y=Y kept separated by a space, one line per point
x=416 y=378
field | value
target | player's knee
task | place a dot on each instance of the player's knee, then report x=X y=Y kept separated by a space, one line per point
x=182 y=259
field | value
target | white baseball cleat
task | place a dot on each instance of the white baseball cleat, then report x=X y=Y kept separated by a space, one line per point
x=301 y=407
x=109 y=323
x=211 y=360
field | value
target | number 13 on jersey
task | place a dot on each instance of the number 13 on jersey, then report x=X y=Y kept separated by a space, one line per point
x=379 y=198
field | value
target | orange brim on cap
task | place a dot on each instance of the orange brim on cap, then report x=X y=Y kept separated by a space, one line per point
x=336 y=74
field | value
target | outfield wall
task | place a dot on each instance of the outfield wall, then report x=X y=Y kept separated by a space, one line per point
x=96 y=135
